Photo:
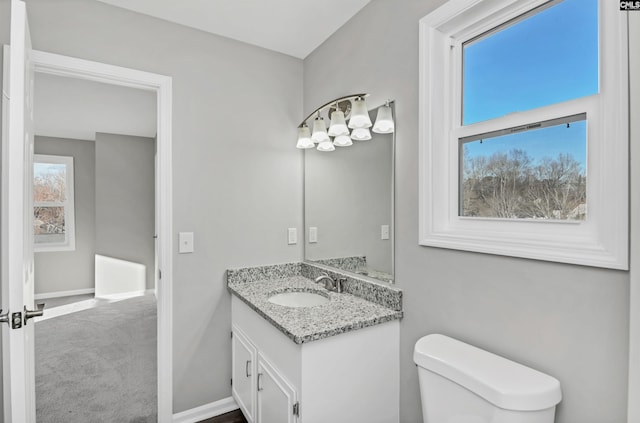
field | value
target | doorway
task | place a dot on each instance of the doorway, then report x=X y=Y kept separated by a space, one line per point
x=95 y=346
x=53 y=64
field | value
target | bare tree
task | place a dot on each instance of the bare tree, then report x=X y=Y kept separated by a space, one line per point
x=49 y=187
x=511 y=185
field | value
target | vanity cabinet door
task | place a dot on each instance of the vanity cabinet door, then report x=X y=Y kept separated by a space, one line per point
x=276 y=397
x=243 y=373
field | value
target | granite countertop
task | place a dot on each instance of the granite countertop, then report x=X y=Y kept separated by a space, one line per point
x=343 y=313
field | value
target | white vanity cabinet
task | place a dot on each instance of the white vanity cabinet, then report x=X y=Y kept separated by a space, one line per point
x=353 y=376
x=262 y=393
x=276 y=397
x=243 y=374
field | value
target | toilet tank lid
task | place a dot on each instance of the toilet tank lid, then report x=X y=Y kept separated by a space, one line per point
x=504 y=383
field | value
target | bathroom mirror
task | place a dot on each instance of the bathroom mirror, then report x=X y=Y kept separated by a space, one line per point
x=348 y=206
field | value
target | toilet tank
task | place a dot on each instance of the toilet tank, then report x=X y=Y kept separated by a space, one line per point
x=460 y=383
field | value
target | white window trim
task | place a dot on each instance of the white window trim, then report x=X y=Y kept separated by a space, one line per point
x=601 y=240
x=69 y=243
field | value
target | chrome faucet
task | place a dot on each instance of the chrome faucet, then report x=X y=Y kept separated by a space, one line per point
x=331 y=284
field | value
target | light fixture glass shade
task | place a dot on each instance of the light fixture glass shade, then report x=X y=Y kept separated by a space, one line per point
x=338 y=125
x=342 y=140
x=304 y=137
x=384 y=121
x=359 y=115
x=326 y=146
x=361 y=134
x=319 y=131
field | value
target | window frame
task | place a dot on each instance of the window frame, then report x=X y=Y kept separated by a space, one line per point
x=69 y=243
x=602 y=239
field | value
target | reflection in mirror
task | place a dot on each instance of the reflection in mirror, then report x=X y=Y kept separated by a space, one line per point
x=348 y=200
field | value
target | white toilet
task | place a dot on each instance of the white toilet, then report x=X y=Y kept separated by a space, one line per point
x=460 y=383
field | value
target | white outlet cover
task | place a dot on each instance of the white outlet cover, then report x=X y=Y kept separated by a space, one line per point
x=293 y=236
x=185 y=242
x=313 y=235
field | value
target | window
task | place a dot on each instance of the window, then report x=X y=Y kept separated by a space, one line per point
x=524 y=130
x=53 y=206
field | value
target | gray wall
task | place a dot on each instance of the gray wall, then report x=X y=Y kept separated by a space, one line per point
x=569 y=321
x=236 y=171
x=71 y=270
x=125 y=200
x=348 y=197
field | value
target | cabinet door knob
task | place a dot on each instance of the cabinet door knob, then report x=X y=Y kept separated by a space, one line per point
x=259 y=382
x=246 y=368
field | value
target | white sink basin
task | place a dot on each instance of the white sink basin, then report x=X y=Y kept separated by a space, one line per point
x=298 y=299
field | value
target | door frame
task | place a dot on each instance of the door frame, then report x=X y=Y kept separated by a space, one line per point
x=55 y=64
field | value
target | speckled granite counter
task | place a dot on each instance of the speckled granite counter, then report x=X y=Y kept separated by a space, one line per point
x=343 y=313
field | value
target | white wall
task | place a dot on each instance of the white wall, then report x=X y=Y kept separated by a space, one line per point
x=125 y=200
x=76 y=108
x=569 y=321
x=5 y=12
x=71 y=270
x=237 y=174
x=634 y=318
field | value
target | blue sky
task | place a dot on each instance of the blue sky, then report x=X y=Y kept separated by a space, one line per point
x=545 y=59
x=43 y=169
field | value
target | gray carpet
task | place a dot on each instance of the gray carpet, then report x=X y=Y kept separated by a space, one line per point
x=98 y=365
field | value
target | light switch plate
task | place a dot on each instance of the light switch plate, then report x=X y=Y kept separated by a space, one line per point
x=185 y=242
x=293 y=236
x=313 y=235
x=384 y=232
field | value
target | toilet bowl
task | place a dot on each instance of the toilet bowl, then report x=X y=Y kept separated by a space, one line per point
x=460 y=383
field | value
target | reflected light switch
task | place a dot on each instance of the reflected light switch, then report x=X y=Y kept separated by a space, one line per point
x=292 y=236
x=313 y=234
x=185 y=242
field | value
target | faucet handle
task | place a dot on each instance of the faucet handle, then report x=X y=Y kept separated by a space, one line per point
x=339 y=284
x=329 y=282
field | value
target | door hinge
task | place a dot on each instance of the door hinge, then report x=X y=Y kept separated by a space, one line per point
x=231 y=382
x=296 y=409
x=231 y=334
x=159 y=274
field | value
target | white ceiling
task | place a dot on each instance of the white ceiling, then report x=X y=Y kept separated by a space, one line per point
x=293 y=27
x=75 y=108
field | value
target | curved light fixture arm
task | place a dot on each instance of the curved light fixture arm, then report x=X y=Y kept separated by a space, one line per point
x=329 y=104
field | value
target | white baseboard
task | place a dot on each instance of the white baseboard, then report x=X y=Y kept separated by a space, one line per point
x=45 y=295
x=125 y=295
x=206 y=411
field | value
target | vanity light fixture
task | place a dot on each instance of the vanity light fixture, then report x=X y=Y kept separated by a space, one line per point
x=384 y=121
x=351 y=107
x=319 y=130
x=326 y=146
x=361 y=134
x=359 y=115
x=338 y=125
x=304 y=137
x=342 y=140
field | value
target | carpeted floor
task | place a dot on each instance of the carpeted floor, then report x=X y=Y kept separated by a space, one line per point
x=98 y=365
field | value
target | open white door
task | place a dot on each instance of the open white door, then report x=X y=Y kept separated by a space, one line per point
x=17 y=231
